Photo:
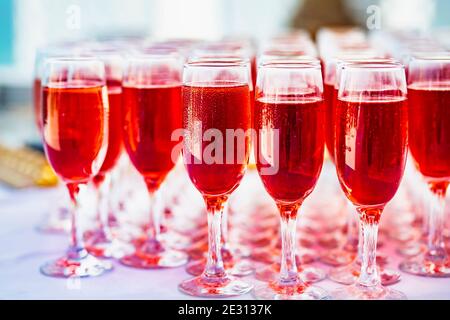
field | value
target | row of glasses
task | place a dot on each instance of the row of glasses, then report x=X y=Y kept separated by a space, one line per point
x=213 y=99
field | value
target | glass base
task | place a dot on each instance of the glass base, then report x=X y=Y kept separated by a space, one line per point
x=102 y=247
x=306 y=274
x=76 y=264
x=176 y=241
x=221 y=287
x=411 y=249
x=239 y=268
x=270 y=255
x=198 y=250
x=329 y=242
x=359 y=292
x=264 y=255
x=338 y=257
x=152 y=255
x=425 y=267
x=297 y=291
x=349 y=275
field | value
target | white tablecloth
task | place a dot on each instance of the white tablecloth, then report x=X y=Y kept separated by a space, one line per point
x=23 y=250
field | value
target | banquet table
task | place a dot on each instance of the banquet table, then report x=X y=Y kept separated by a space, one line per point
x=23 y=249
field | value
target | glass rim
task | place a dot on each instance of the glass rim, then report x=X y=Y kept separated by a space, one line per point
x=375 y=66
x=219 y=57
x=291 y=64
x=73 y=59
x=357 y=57
x=217 y=62
x=370 y=61
x=443 y=56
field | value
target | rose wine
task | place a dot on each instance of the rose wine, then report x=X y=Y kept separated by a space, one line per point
x=219 y=107
x=429 y=130
x=301 y=145
x=37 y=103
x=74 y=130
x=371 y=144
x=115 y=141
x=254 y=68
x=150 y=116
x=330 y=93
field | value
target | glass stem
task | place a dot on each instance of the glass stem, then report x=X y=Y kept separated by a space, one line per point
x=98 y=199
x=77 y=247
x=436 y=248
x=224 y=225
x=360 y=230
x=369 y=276
x=214 y=265
x=288 y=224
x=154 y=227
x=104 y=206
x=352 y=228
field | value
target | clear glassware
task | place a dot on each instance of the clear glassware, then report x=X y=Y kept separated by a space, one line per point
x=102 y=241
x=429 y=141
x=289 y=150
x=216 y=99
x=371 y=107
x=152 y=110
x=75 y=108
x=58 y=219
x=234 y=263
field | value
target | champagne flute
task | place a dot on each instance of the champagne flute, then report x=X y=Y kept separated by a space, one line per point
x=217 y=112
x=75 y=134
x=370 y=156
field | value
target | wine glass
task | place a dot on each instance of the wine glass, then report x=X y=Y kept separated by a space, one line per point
x=103 y=241
x=151 y=113
x=289 y=124
x=217 y=112
x=58 y=219
x=350 y=255
x=429 y=142
x=234 y=263
x=75 y=134
x=370 y=157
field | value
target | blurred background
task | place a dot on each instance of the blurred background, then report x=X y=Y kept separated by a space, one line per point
x=26 y=25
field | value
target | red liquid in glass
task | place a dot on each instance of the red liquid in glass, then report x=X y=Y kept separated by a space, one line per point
x=73 y=130
x=37 y=103
x=301 y=146
x=221 y=108
x=371 y=144
x=115 y=141
x=429 y=130
x=254 y=68
x=330 y=95
x=150 y=116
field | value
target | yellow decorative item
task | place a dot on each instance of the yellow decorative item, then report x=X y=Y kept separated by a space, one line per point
x=24 y=167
